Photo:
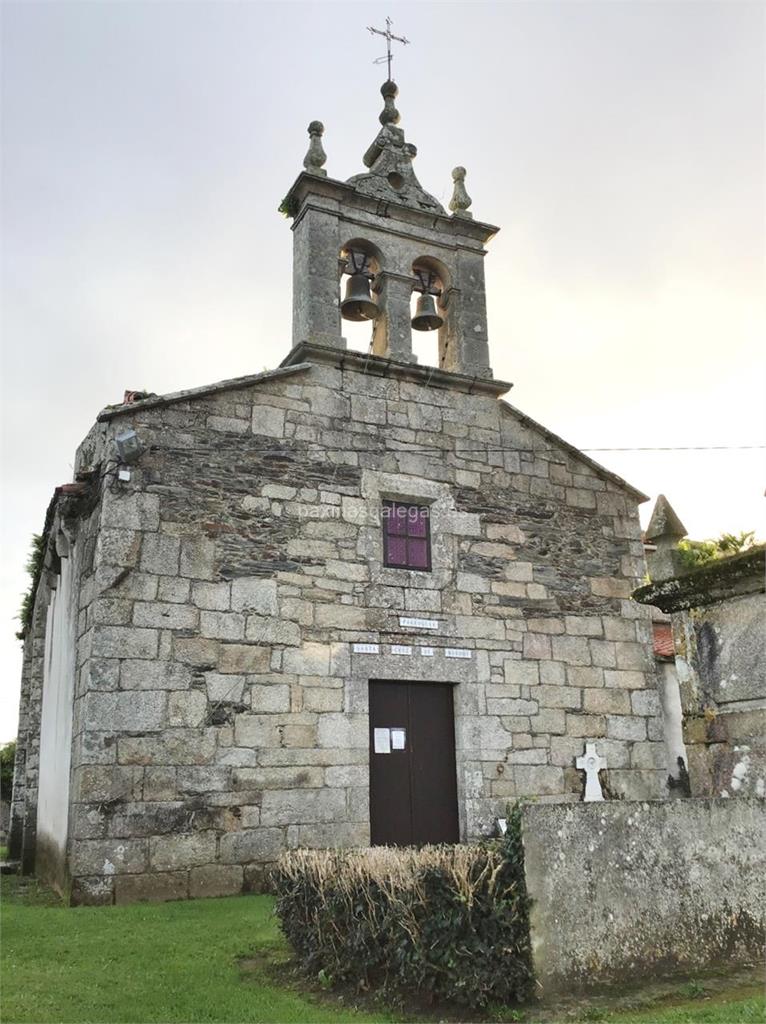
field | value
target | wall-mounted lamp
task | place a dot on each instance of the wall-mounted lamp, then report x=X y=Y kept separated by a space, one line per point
x=128 y=446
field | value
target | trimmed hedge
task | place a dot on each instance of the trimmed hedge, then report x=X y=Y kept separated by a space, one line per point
x=446 y=922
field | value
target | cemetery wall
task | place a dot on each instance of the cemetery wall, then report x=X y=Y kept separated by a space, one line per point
x=621 y=888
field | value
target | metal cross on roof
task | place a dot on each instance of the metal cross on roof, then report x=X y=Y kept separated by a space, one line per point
x=389 y=37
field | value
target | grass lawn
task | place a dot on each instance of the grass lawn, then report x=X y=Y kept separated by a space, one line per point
x=214 y=960
x=144 y=962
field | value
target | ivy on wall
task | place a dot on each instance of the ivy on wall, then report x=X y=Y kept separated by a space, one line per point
x=34 y=567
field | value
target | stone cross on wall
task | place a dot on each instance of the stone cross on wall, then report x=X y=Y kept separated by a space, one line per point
x=591 y=764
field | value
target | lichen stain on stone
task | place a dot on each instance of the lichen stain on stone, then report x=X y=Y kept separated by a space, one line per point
x=708 y=651
x=725 y=937
x=739 y=771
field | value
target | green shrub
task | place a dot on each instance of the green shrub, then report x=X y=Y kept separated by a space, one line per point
x=694 y=553
x=7 y=758
x=445 y=922
x=34 y=568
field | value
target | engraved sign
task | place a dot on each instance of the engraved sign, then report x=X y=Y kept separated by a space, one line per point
x=457 y=652
x=418 y=623
x=366 y=648
x=427 y=652
x=398 y=649
x=382 y=741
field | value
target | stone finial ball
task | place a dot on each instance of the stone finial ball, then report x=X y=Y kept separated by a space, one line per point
x=316 y=128
x=458 y=173
x=389 y=88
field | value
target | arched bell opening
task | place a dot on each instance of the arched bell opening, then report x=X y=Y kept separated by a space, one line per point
x=428 y=310
x=359 y=265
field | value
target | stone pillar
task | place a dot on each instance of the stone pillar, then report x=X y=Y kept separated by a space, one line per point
x=316 y=277
x=392 y=337
x=463 y=342
x=664 y=531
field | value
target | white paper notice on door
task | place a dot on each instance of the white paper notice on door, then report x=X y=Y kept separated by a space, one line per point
x=398 y=739
x=382 y=741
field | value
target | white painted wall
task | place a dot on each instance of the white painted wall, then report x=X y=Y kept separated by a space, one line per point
x=56 y=726
x=672 y=715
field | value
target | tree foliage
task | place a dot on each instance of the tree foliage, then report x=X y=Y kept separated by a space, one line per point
x=695 y=553
x=7 y=756
x=34 y=567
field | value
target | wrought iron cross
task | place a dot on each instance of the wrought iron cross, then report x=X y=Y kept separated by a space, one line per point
x=389 y=37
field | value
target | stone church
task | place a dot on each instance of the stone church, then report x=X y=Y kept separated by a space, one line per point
x=352 y=600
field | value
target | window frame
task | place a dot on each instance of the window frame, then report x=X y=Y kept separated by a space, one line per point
x=392 y=503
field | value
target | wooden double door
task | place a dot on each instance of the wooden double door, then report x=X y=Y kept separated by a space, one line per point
x=413 y=779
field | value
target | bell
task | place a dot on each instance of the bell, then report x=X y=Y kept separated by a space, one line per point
x=426 y=318
x=358 y=304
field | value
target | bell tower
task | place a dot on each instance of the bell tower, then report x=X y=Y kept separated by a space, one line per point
x=361 y=247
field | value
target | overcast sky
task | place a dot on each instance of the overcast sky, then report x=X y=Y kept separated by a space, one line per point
x=619 y=146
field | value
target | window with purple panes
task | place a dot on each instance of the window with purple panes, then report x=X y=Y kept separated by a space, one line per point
x=406 y=536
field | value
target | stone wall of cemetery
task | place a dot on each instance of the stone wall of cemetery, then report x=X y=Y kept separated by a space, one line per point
x=622 y=890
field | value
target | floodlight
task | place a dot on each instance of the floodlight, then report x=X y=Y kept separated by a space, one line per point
x=128 y=446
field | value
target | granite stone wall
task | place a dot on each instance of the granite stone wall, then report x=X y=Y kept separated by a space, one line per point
x=25 y=767
x=220 y=709
x=622 y=889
